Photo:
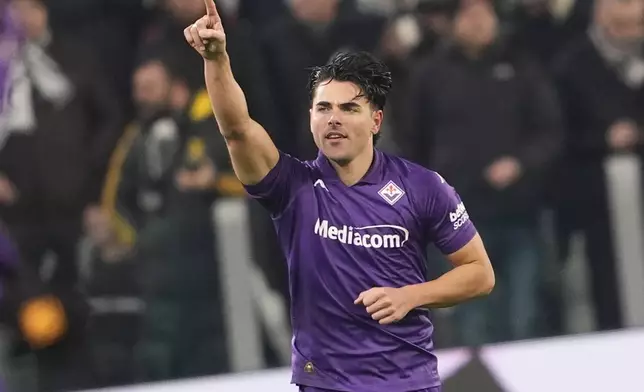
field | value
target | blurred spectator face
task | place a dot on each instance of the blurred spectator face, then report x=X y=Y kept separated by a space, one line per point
x=342 y=122
x=152 y=88
x=435 y=23
x=435 y=16
x=476 y=24
x=186 y=11
x=179 y=96
x=622 y=20
x=32 y=16
x=98 y=226
x=316 y=11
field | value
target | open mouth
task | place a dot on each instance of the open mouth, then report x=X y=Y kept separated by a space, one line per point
x=334 y=136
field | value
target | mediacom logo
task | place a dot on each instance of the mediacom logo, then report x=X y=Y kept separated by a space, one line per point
x=373 y=236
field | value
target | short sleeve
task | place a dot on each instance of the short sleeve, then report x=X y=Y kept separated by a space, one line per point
x=277 y=190
x=447 y=220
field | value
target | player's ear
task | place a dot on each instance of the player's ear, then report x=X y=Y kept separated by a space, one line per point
x=378 y=116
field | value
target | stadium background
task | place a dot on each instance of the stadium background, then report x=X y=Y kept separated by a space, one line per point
x=120 y=196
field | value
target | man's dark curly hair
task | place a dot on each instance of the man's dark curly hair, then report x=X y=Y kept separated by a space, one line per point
x=360 y=68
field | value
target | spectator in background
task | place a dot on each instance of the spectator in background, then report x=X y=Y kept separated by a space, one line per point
x=488 y=119
x=545 y=26
x=63 y=125
x=259 y=12
x=10 y=40
x=160 y=36
x=161 y=39
x=310 y=33
x=164 y=38
x=600 y=78
x=435 y=18
x=167 y=171
x=409 y=39
x=113 y=27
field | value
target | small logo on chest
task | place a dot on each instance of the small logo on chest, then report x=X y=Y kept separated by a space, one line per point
x=321 y=184
x=391 y=193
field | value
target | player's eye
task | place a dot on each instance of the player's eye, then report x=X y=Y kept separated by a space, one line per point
x=351 y=109
x=323 y=109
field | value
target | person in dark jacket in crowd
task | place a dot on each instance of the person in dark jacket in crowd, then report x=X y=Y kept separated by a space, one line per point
x=486 y=117
x=166 y=173
x=600 y=77
x=63 y=124
x=60 y=129
x=547 y=26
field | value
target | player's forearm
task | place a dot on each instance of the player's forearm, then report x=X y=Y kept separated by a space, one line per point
x=227 y=98
x=458 y=285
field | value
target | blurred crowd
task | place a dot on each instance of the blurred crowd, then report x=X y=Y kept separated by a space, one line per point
x=111 y=160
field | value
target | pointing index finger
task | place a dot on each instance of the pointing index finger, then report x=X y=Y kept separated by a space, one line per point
x=211 y=8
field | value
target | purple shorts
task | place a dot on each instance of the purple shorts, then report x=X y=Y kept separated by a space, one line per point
x=314 y=389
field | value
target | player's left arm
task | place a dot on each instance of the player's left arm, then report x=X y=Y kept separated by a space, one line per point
x=448 y=224
x=471 y=277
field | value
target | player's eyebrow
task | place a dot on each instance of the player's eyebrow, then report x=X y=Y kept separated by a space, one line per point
x=349 y=105
x=345 y=104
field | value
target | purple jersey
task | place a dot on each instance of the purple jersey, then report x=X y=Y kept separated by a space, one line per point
x=340 y=241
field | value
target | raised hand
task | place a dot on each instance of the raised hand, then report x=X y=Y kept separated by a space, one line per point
x=207 y=34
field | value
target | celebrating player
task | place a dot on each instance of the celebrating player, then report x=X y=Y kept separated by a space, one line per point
x=354 y=225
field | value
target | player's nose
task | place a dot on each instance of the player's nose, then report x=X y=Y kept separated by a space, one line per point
x=334 y=122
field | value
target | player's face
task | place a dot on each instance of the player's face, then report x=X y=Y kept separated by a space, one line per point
x=343 y=122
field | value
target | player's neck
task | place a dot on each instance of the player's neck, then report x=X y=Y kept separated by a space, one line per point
x=352 y=172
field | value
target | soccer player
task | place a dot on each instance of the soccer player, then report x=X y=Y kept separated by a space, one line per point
x=354 y=225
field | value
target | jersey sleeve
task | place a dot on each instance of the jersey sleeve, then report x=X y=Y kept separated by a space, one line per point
x=277 y=190
x=447 y=220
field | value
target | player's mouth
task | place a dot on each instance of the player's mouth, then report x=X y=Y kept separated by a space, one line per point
x=333 y=135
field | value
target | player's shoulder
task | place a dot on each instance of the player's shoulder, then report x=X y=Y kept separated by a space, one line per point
x=306 y=168
x=422 y=178
x=312 y=166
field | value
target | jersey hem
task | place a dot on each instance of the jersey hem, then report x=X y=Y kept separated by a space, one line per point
x=390 y=386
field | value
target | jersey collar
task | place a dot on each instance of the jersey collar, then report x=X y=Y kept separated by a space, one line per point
x=373 y=176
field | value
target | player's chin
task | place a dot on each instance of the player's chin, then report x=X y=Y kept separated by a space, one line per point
x=336 y=152
x=339 y=158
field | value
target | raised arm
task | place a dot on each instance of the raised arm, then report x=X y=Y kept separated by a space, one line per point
x=252 y=151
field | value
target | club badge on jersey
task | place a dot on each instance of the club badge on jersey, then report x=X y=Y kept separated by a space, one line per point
x=391 y=193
